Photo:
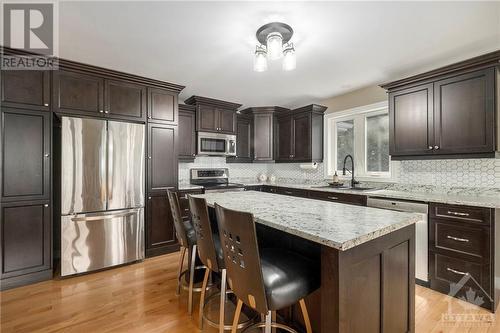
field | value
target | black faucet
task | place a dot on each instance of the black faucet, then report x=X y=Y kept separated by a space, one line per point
x=344 y=169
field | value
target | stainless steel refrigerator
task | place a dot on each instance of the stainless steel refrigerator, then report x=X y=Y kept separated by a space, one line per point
x=102 y=194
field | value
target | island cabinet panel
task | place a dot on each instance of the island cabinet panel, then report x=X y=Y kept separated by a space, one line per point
x=462 y=243
x=26 y=89
x=244 y=140
x=411 y=121
x=78 y=93
x=187 y=133
x=162 y=161
x=184 y=202
x=162 y=106
x=125 y=100
x=26 y=255
x=465 y=113
x=160 y=230
x=26 y=155
x=371 y=287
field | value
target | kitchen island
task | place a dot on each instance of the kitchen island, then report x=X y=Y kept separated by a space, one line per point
x=366 y=255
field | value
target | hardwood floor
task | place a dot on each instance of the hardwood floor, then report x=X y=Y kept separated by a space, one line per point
x=141 y=298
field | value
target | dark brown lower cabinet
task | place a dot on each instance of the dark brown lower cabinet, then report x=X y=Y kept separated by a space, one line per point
x=462 y=249
x=160 y=230
x=26 y=252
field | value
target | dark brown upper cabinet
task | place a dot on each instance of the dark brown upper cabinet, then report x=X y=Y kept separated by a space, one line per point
x=411 y=121
x=79 y=93
x=163 y=107
x=446 y=113
x=464 y=108
x=187 y=132
x=244 y=140
x=162 y=160
x=299 y=135
x=214 y=115
x=26 y=89
x=125 y=100
x=26 y=240
x=264 y=123
x=26 y=155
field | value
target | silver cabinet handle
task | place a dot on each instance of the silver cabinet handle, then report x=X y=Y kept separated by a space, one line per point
x=430 y=148
x=457 y=213
x=101 y=111
x=464 y=240
x=436 y=147
x=288 y=192
x=149 y=198
x=46 y=155
x=333 y=198
x=45 y=104
x=149 y=157
x=194 y=155
x=106 y=111
x=149 y=117
x=456 y=272
x=46 y=205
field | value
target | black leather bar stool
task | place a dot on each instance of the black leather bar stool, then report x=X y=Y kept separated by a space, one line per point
x=211 y=255
x=186 y=236
x=266 y=280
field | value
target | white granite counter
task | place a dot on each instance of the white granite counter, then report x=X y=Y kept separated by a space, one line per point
x=336 y=225
x=467 y=199
x=187 y=187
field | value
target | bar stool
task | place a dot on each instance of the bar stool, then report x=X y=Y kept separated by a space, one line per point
x=267 y=280
x=186 y=236
x=211 y=255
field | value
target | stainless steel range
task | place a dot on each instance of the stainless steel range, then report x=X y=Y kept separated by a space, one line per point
x=214 y=180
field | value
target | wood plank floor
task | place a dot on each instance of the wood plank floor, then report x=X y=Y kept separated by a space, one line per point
x=141 y=298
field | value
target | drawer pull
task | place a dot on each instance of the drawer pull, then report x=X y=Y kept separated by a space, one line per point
x=456 y=272
x=288 y=192
x=465 y=240
x=333 y=198
x=457 y=213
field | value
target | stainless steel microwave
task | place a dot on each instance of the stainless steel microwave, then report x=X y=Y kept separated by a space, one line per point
x=216 y=144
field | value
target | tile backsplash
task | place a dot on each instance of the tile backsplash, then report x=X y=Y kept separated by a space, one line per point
x=468 y=173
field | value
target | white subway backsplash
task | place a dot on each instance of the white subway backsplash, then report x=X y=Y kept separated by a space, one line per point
x=469 y=173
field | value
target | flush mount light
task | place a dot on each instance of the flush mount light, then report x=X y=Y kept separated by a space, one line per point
x=274 y=39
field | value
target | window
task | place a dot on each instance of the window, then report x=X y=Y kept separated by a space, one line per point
x=362 y=133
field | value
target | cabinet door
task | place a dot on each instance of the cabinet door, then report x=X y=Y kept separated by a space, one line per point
x=26 y=89
x=162 y=157
x=301 y=135
x=125 y=100
x=263 y=137
x=160 y=230
x=163 y=106
x=78 y=93
x=244 y=140
x=411 y=121
x=208 y=118
x=227 y=121
x=26 y=238
x=464 y=119
x=284 y=136
x=187 y=135
x=26 y=155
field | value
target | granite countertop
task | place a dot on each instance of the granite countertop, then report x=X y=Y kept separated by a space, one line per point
x=332 y=224
x=185 y=187
x=468 y=199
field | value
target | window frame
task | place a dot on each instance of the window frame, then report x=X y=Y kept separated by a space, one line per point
x=359 y=115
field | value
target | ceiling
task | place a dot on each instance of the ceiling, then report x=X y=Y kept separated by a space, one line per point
x=341 y=46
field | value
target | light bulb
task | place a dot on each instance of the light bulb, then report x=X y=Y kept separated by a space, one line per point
x=289 y=60
x=260 y=60
x=274 y=45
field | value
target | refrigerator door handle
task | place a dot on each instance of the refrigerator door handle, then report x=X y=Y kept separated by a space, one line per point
x=100 y=218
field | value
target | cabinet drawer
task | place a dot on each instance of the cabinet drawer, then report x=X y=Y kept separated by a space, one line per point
x=292 y=192
x=452 y=270
x=464 y=238
x=460 y=213
x=353 y=199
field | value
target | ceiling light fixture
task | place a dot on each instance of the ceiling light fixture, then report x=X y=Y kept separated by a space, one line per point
x=274 y=43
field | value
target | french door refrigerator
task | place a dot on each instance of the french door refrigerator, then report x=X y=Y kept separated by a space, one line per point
x=102 y=194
